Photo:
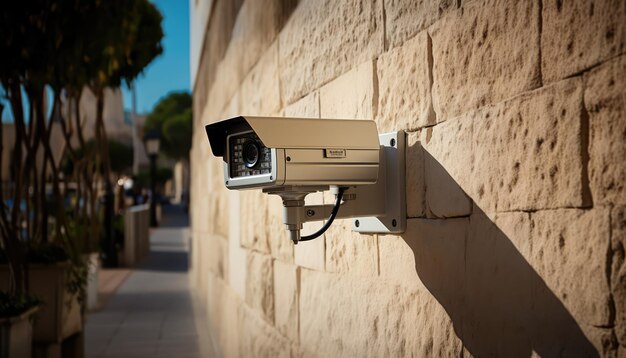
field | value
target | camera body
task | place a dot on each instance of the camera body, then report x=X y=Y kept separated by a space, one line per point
x=269 y=152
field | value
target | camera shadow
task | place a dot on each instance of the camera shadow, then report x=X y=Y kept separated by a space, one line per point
x=498 y=304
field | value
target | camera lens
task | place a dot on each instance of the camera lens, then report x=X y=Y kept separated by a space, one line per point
x=251 y=152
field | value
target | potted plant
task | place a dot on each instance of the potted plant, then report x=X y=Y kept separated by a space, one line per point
x=59 y=283
x=16 y=318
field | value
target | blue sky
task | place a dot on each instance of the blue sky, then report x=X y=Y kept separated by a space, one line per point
x=170 y=71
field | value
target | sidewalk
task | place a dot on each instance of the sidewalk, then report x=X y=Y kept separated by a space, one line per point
x=153 y=313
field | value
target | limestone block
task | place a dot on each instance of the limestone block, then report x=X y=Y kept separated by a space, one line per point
x=228 y=78
x=306 y=107
x=254 y=214
x=428 y=248
x=405 y=18
x=219 y=197
x=618 y=270
x=312 y=254
x=603 y=341
x=232 y=108
x=447 y=161
x=237 y=256
x=323 y=39
x=605 y=101
x=350 y=252
x=286 y=299
x=260 y=89
x=384 y=327
x=260 y=339
x=216 y=255
x=415 y=180
x=527 y=151
x=397 y=260
x=257 y=26
x=569 y=252
x=351 y=95
x=260 y=284
x=404 y=82
x=577 y=35
x=276 y=232
x=483 y=53
x=223 y=310
x=498 y=286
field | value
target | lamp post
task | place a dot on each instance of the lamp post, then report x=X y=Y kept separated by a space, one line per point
x=152 y=142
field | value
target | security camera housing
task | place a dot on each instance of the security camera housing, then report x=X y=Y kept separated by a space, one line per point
x=266 y=152
x=293 y=157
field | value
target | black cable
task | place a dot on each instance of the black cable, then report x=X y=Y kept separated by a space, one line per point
x=330 y=220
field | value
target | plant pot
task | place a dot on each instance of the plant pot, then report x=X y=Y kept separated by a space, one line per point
x=60 y=314
x=93 y=260
x=16 y=334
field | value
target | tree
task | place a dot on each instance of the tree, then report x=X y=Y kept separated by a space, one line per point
x=172 y=117
x=59 y=47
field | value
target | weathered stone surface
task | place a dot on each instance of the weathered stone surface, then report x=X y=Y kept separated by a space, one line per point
x=323 y=39
x=223 y=309
x=312 y=254
x=306 y=107
x=603 y=340
x=349 y=252
x=276 y=232
x=237 y=255
x=605 y=101
x=218 y=206
x=405 y=18
x=228 y=78
x=254 y=216
x=617 y=259
x=483 y=53
x=577 y=35
x=260 y=89
x=404 y=82
x=447 y=161
x=256 y=27
x=352 y=95
x=427 y=248
x=527 y=151
x=397 y=260
x=260 y=339
x=260 y=284
x=569 y=252
x=215 y=43
x=415 y=180
x=497 y=286
x=385 y=327
x=286 y=308
x=216 y=254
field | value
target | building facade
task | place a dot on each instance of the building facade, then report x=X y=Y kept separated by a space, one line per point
x=515 y=113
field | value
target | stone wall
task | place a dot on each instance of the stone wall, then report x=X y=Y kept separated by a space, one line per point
x=515 y=113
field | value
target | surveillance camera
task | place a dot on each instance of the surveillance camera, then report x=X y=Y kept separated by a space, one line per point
x=263 y=152
x=293 y=157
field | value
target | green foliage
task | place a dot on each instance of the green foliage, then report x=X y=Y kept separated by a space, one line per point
x=11 y=306
x=142 y=180
x=172 y=117
x=47 y=254
x=120 y=156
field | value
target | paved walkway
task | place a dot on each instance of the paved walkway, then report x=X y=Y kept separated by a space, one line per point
x=153 y=313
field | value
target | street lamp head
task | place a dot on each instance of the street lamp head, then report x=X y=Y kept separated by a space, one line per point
x=152 y=141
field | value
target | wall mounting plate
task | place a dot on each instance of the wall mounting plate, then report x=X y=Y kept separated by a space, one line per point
x=393 y=221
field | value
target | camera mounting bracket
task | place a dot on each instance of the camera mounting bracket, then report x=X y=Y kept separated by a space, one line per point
x=377 y=208
x=391 y=181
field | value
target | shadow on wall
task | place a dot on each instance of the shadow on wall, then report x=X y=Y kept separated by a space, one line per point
x=498 y=304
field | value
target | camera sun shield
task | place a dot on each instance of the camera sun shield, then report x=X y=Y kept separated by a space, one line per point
x=266 y=152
